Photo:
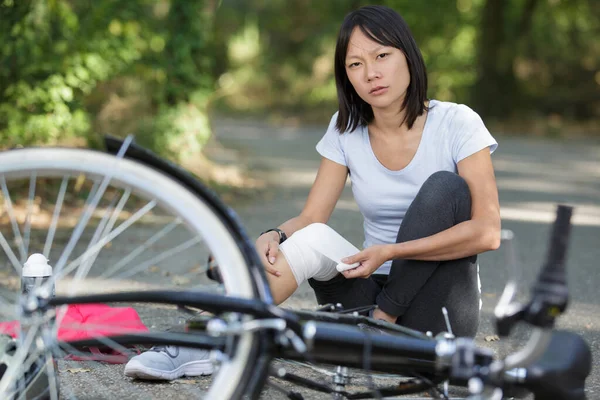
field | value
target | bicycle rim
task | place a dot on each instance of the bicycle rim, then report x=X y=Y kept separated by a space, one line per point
x=110 y=224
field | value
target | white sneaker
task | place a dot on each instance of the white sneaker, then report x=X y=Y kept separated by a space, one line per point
x=168 y=363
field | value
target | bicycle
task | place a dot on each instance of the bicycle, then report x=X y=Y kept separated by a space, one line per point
x=238 y=322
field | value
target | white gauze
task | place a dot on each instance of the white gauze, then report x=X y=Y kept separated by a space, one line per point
x=316 y=251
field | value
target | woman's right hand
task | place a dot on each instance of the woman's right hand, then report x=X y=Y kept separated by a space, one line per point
x=267 y=246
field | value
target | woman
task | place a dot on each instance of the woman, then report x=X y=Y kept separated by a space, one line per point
x=422 y=177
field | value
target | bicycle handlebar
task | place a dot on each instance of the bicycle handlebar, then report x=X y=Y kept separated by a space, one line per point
x=461 y=358
x=559 y=241
x=550 y=294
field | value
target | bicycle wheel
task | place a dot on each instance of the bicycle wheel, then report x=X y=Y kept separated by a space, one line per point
x=109 y=224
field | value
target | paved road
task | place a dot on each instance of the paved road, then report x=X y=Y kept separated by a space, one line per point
x=533 y=175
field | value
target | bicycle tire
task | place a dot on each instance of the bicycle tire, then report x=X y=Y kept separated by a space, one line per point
x=239 y=376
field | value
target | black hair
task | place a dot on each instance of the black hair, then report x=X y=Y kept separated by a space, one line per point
x=386 y=27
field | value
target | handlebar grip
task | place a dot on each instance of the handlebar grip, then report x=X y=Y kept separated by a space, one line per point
x=554 y=268
x=550 y=293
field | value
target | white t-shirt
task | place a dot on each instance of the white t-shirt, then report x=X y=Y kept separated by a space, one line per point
x=451 y=132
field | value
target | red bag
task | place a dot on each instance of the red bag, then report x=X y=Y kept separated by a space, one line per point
x=86 y=321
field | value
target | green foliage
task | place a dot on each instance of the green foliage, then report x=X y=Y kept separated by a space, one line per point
x=181 y=127
x=290 y=65
x=72 y=69
x=528 y=58
x=559 y=61
x=48 y=67
x=85 y=68
x=178 y=132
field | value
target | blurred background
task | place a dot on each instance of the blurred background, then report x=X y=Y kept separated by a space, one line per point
x=73 y=70
x=240 y=91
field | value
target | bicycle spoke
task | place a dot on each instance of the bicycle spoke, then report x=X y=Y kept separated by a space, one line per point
x=79 y=228
x=13 y=219
x=18 y=359
x=89 y=209
x=55 y=215
x=90 y=252
x=111 y=223
x=52 y=375
x=27 y=228
x=31 y=358
x=140 y=249
x=10 y=254
x=59 y=314
x=102 y=242
x=117 y=211
x=7 y=310
x=145 y=265
x=100 y=229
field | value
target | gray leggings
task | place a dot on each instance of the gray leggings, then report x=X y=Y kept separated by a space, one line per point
x=417 y=290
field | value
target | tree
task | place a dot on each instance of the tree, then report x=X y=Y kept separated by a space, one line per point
x=51 y=59
x=538 y=57
x=81 y=69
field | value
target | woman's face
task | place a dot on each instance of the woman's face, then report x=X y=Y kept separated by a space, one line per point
x=378 y=73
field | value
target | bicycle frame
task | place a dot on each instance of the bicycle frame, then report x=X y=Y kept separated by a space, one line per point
x=326 y=337
x=329 y=338
x=334 y=342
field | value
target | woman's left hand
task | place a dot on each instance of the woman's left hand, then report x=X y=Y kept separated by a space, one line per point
x=370 y=259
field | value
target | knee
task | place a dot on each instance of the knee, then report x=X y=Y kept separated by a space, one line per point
x=446 y=180
x=444 y=185
x=445 y=190
x=313 y=229
x=305 y=258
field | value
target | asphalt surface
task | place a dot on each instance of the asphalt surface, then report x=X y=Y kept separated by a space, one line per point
x=533 y=175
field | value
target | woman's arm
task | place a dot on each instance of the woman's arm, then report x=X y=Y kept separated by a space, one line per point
x=323 y=196
x=478 y=235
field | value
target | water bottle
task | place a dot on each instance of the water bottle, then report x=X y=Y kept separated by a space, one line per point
x=36 y=272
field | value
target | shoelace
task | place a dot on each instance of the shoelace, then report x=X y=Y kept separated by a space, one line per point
x=165 y=349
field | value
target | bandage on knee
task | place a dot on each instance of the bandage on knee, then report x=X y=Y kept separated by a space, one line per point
x=316 y=252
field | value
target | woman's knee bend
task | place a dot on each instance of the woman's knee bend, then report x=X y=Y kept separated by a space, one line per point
x=445 y=181
x=445 y=190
